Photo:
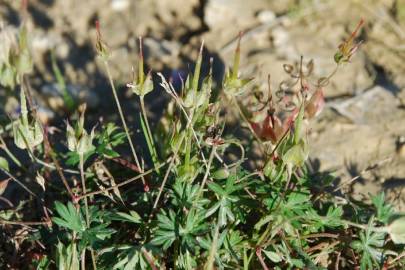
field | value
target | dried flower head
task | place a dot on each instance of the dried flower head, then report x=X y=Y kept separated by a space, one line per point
x=101 y=47
x=348 y=48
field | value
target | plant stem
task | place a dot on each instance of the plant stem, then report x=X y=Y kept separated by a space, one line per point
x=122 y=117
x=148 y=258
x=207 y=172
x=123 y=183
x=365 y=227
x=164 y=181
x=163 y=184
x=58 y=168
x=86 y=208
x=83 y=259
x=152 y=143
x=8 y=152
x=19 y=182
x=260 y=257
x=81 y=164
x=23 y=223
x=188 y=151
x=213 y=250
x=53 y=167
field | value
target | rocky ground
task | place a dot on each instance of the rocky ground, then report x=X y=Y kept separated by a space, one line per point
x=360 y=133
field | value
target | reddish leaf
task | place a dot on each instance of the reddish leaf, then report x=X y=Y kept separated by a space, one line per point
x=315 y=104
x=3 y=185
x=270 y=129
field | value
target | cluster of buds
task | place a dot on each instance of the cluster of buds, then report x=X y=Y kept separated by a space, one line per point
x=26 y=134
x=233 y=85
x=78 y=139
x=348 y=48
x=142 y=85
x=15 y=58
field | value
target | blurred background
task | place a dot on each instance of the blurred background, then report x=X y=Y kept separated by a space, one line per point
x=361 y=132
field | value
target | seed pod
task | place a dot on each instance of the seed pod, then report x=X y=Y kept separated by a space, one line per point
x=310 y=67
x=288 y=68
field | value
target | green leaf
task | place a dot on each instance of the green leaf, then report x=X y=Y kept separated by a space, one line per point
x=69 y=217
x=370 y=246
x=384 y=211
x=273 y=256
x=213 y=209
x=67 y=97
x=221 y=174
x=149 y=141
x=67 y=258
x=4 y=164
x=131 y=217
x=296 y=155
x=216 y=188
x=298 y=125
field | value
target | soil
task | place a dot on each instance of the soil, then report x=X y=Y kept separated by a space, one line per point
x=361 y=132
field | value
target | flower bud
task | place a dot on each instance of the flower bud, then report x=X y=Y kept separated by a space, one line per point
x=143 y=85
x=15 y=58
x=347 y=49
x=78 y=139
x=233 y=85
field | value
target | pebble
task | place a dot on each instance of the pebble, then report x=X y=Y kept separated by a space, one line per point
x=119 y=5
x=266 y=16
x=53 y=96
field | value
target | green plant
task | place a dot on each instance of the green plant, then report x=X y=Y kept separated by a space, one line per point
x=198 y=206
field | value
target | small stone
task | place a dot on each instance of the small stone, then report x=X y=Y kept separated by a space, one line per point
x=54 y=98
x=401 y=146
x=266 y=16
x=45 y=115
x=161 y=51
x=119 y=5
x=362 y=108
x=232 y=14
x=12 y=107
